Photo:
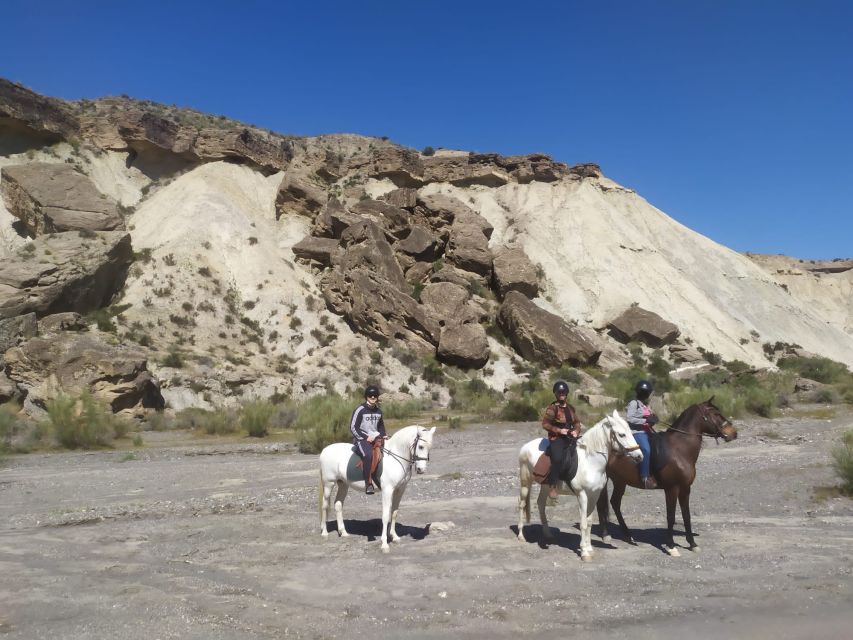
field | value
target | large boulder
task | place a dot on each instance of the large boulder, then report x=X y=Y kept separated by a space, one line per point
x=465 y=170
x=636 y=324
x=393 y=220
x=318 y=249
x=513 y=271
x=468 y=248
x=402 y=166
x=71 y=271
x=22 y=108
x=69 y=362
x=332 y=220
x=421 y=244
x=378 y=309
x=49 y=198
x=405 y=198
x=543 y=337
x=365 y=247
x=463 y=345
x=299 y=194
x=447 y=302
x=14 y=331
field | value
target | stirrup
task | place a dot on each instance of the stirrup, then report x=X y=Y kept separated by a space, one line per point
x=650 y=483
x=369 y=490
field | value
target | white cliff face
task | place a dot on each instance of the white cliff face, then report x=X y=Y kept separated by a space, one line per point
x=602 y=247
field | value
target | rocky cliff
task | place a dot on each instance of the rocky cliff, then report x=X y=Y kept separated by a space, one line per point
x=236 y=261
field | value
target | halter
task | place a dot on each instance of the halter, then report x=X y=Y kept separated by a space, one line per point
x=623 y=449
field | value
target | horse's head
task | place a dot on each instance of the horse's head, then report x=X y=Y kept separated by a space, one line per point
x=621 y=438
x=714 y=423
x=420 y=448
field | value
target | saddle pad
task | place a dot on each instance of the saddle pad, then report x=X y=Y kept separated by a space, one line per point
x=659 y=451
x=543 y=467
x=354 y=467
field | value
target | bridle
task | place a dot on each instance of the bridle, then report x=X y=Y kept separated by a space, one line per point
x=622 y=448
x=414 y=458
x=703 y=412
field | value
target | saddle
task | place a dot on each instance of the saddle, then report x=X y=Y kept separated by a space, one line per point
x=377 y=458
x=542 y=468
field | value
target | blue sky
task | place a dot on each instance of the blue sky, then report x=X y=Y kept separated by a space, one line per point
x=735 y=118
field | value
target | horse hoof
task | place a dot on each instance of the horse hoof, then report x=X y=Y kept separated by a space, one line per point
x=343 y=534
x=607 y=540
x=386 y=549
x=325 y=534
x=393 y=540
x=695 y=548
x=521 y=538
x=672 y=551
x=586 y=557
x=631 y=542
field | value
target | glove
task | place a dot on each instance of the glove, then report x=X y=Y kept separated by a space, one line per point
x=652 y=420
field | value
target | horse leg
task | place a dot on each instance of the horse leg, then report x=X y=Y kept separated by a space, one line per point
x=684 y=502
x=585 y=506
x=386 y=517
x=604 y=515
x=395 y=508
x=340 y=496
x=616 y=503
x=325 y=492
x=543 y=518
x=671 y=497
x=523 y=500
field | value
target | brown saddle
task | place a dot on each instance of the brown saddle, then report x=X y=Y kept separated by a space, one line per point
x=377 y=456
x=542 y=467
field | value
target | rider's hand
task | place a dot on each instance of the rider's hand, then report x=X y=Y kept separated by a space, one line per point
x=371 y=438
x=652 y=420
x=564 y=432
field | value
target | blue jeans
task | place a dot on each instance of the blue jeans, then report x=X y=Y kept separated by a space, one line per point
x=642 y=439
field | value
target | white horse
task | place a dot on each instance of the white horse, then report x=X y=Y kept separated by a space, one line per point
x=594 y=446
x=407 y=448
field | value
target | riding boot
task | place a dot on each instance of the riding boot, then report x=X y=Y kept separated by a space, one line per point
x=368 y=489
x=650 y=483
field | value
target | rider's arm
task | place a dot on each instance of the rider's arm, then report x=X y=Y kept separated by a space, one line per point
x=380 y=426
x=548 y=420
x=355 y=423
x=634 y=415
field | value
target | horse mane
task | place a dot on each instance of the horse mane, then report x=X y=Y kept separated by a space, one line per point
x=406 y=430
x=595 y=440
x=686 y=416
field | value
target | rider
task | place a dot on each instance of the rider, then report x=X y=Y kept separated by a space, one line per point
x=641 y=419
x=563 y=427
x=366 y=425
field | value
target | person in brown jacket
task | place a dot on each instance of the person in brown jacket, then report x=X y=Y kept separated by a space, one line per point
x=563 y=427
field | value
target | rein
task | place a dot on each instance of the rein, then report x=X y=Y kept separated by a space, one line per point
x=716 y=436
x=401 y=459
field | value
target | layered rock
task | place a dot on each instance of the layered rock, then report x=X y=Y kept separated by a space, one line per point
x=67 y=362
x=50 y=198
x=466 y=170
x=72 y=271
x=542 y=337
x=14 y=331
x=320 y=250
x=299 y=195
x=464 y=345
x=636 y=324
x=48 y=116
x=513 y=271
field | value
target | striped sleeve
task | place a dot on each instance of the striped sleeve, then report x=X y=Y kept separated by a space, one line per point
x=355 y=423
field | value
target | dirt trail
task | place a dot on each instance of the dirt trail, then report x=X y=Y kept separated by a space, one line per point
x=221 y=541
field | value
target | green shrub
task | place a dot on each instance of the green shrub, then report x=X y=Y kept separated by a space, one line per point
x=218 y=422
x=406 y=409
x=519 y=411
x=8 y=426
x=567 y=373
x=842 y=461
x=433 y=372
x=173 y=359
x=80 y=422
x=621 y=382
x=816 y=368
x=255 y=417
x=322 y=420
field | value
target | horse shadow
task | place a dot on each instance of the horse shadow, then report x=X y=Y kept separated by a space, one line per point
x=652 y=536
x=533 y=534
x=372 y=529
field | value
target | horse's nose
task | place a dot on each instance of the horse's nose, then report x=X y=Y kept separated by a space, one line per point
x=420 y=471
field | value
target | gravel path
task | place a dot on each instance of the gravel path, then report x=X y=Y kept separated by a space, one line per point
x=221 y=541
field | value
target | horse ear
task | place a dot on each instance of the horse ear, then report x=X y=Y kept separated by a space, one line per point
x=432 y=430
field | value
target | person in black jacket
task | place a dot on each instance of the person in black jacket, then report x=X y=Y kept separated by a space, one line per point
x=366 y=425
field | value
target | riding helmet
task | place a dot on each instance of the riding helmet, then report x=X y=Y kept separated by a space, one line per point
x=561 y=387
x=371 y=390
x=643 y=389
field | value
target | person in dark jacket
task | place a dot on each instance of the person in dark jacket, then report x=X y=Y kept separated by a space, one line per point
x=366 y=425
x=639 y=415
x=563 y=427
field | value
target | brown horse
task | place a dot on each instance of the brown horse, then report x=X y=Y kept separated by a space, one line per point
x=683 y=439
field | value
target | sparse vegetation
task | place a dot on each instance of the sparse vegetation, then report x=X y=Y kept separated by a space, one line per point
x=81 y=422
x=322 y=420
x=842 y=461
x=255 y=417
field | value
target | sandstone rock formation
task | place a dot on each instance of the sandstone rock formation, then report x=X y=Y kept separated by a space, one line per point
x=636 y=324
x=72 y=271
x=50 y=198
x=542 y=337
x=68 y=362
x=464 y=345
x=15 y=330
x=513 y=271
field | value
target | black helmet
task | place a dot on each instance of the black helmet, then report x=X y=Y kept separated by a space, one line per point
x=561 y=387
x=371 y=390
x=643 y=389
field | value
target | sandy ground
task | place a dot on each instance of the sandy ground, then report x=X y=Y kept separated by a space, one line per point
x=211 y=540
